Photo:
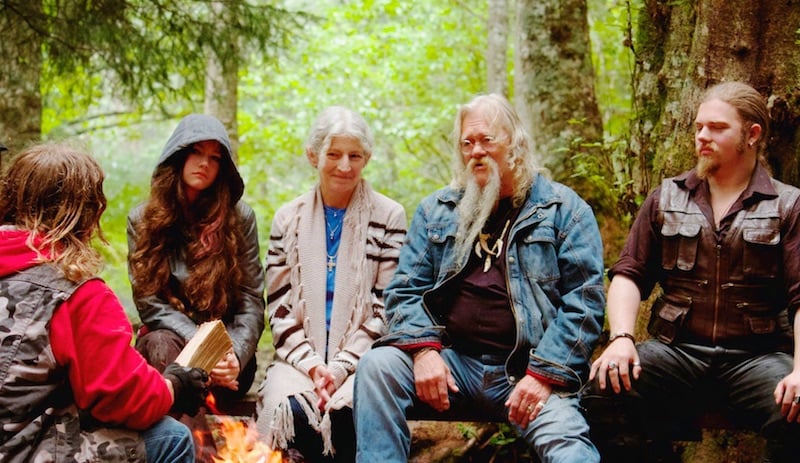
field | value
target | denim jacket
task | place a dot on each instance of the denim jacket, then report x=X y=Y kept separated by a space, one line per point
x=554 y=271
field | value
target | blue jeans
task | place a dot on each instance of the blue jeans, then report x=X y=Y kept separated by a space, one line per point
x=169 y=441
x=385 y=398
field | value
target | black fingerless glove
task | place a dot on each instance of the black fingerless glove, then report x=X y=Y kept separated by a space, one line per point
x=189 y=386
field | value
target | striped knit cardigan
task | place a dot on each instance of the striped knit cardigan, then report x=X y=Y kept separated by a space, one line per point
x=374 y=229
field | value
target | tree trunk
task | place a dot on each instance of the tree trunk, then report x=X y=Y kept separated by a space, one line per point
x=20 y=99
x=684 y=47
x=222 y=83
x=497 y=32
x=554 y=87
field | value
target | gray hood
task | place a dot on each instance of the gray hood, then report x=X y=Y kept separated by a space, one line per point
x=199 y=127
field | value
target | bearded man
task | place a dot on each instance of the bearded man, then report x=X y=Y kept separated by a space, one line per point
x=496 y=304
x=722 y=241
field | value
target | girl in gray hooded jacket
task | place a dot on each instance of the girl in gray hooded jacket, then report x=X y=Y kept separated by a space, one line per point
x=194 y=255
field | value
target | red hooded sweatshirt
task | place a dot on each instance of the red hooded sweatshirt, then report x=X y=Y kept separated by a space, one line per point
x=91 y=337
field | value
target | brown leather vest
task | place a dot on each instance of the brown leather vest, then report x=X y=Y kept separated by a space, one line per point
x=728 y=292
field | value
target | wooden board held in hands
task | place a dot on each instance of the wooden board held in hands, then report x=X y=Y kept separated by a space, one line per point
x=207 y=347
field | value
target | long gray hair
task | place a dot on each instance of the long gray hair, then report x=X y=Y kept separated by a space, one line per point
x=502 y=117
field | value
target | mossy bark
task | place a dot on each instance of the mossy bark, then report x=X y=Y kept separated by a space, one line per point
x=20 y=98
x=222 y=81
x=682 y=48
x=554 y=84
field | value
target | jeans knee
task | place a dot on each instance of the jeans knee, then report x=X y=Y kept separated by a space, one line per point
x=169 y=441
x=379 y=361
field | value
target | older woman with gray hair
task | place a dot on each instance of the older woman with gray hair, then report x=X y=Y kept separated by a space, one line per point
x=332 y=251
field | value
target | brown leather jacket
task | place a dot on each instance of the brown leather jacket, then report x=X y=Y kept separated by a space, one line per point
x=726 y=290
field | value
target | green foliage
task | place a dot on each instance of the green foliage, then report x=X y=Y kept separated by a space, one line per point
x=404 y=66
x=508 y=445
x=603 y=173
x=611 y=30
x=155 y=50
x=467 y=430
x=405 y=69
x=505 y=435
x=126 y=185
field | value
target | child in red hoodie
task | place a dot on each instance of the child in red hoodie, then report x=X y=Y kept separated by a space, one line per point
x=71 y=386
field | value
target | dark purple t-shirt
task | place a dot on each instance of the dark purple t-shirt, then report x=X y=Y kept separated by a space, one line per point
x=480 y=319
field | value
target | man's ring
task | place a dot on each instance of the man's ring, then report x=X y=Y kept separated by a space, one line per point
x=637 y=364
x=797 y=399
x=612 y=366
x=530 y=409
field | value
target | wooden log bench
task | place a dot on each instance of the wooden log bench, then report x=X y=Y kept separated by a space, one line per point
x=433 y=440
x=711 y=437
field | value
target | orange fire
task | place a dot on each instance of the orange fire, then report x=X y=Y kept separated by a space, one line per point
x=236 y=442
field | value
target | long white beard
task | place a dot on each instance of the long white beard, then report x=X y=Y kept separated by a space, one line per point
x=475 y=208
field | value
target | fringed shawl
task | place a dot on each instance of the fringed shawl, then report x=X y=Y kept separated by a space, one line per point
x=373 y=231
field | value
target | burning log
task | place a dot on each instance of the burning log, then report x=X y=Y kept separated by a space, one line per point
x=231 y=439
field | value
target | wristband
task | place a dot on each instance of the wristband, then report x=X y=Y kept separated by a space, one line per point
x=621 y=334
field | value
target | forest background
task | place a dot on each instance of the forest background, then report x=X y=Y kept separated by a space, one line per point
x=607 y=88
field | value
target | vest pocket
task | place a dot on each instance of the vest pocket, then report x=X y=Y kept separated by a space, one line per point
x=761 y=252
x=667 y=317
x=760 y=318
x=679 y=248
x=760 y=325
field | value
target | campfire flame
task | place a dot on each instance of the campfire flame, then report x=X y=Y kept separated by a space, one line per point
x=237 y=442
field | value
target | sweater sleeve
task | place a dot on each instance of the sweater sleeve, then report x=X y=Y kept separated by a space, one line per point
x=91 y=337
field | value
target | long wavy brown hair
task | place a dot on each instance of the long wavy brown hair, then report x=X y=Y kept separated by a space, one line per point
x=56 y=191
x=205 y=234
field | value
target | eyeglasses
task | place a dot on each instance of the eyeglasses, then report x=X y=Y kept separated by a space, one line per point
x=489 y=143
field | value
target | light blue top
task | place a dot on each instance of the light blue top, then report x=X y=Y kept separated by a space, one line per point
x=334 y=218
